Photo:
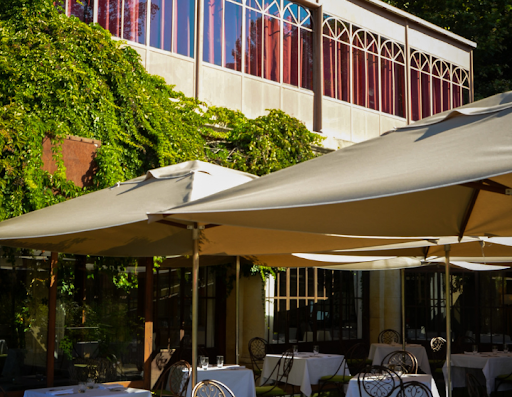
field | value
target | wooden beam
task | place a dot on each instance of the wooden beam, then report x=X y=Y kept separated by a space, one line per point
x=148 y=327
x=52 y=303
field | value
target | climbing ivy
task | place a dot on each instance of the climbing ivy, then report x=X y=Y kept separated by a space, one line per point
x=59 y=76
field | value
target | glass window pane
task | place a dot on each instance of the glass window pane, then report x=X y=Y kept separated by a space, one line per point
x=183 y=34
x=83 y=10
x=306 y=52
x=161 y=24
x=134 y=26
x=290 y=54
x=271 y=70
x=212 y=46
x=253 y=44
x=233 y=36
x=109 y=16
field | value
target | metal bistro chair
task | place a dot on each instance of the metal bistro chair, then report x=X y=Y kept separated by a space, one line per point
x=257 y=351
x=338 y=380
x=413 y=389
x=176 y=377
x=357 y=358
x=378 y=381
x=475 y=389
x=211 y=388
x=406 y=360
x=389 y=336
x=438 y=346
x=281 y=371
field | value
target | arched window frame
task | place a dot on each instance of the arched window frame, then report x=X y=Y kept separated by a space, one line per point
x=392 y=91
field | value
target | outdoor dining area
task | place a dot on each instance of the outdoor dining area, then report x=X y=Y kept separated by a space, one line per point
x=450 y=186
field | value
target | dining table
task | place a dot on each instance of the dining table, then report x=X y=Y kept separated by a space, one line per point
x=426 y=379
x=307 y=369
x=98 y=390
x=239 y=379
x=380 y=350
x=486 y=366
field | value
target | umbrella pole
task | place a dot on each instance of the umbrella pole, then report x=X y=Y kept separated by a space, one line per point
x=402 y=276
x=237 y=307
x=448 y=322
x=195 y=305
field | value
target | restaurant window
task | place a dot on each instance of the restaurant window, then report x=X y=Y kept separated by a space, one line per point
x=172 y=26
x=481 y=306
x=314 y=305
x=23 y=322
x=392 y=78
x=82 y=9
x=173 y=308
x=436 y=85
x=336 y=54
x=99 y=320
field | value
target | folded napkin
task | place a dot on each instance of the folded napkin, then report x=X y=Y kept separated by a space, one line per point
x=60 y=391
x=111 y=386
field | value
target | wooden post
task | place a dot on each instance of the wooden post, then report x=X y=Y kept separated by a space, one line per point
x=52 y=303
x=148 y=328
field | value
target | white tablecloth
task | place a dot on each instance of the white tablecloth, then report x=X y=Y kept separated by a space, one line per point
x=307 y=369
x=427 y=380
x=491 y=365
x=240 y=380
x=380 y=350
x=96 y=392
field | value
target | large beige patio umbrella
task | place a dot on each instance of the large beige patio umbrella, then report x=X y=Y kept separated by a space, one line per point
x=446 y=175
x=113 y=222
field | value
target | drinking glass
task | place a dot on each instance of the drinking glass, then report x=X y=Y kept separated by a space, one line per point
x=494 y=349
x=295 y=349
x=220 y=361
x=90 y=383
x=200 y=361
x=82 y=387
x=315 y=350
x=205 y=362
x=475 y=349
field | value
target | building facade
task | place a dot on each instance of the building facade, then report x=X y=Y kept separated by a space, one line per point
x=350 y=70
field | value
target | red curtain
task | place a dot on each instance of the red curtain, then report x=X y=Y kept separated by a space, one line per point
x=212 y=48
x=109 y=16
x=386 y=76
x=425 y=95
x=290 y=54
x=134 y=21
x=437 y=95
x=399 y=75
x=271 y=48
x=83 y=10
x=415 y=95
x=359 y=76
x=329 y=49
x=306 y=53
x=373 y=81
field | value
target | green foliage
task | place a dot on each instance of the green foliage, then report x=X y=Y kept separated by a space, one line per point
x=488 y=23
x=59 y=76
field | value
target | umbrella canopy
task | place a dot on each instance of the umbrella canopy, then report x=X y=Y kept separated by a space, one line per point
x=113 y=221
x=447 y=175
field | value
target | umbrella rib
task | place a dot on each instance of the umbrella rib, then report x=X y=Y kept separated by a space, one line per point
x=489 y=186
x=469 y=210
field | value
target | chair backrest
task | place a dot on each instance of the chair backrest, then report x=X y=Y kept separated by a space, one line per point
x=378 y=381
x=406 y=360
x=179 y=376
x=475 y=389
x=414 y=389
x=436 y=344
x=281 y=371
x=356 y=357
x=389 y=336
x=257 y=350
x=211 y=388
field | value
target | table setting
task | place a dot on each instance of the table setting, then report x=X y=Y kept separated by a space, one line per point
x=426 y=379
x=307 y=369
x=88 y=389
x=238 y=378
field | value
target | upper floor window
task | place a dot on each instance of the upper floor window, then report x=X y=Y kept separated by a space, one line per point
x=374 y=65
x=436 y=85
x=269 y=39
